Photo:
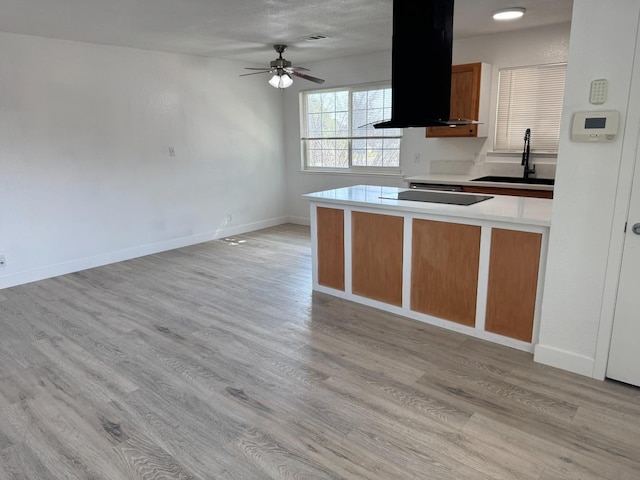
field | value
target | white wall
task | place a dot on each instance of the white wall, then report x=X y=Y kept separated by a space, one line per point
x=526 y=47
x=85 y=174
x=587 y=224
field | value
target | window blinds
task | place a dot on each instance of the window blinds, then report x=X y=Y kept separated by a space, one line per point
x=530 y=97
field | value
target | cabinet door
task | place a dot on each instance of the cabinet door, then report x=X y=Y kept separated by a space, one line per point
x=330 y=241
x=376 y=258
x=465 y=101
x=513 y=283
x=444 y=270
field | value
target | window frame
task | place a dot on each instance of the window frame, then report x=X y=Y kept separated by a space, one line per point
x=350 y=169
x=516 y=151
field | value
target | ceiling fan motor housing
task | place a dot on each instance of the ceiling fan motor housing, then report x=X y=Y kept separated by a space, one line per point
x=280 y=63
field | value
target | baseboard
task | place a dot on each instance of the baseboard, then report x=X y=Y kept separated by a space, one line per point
x=564 y=360
x=299 y=220
x=79 y=264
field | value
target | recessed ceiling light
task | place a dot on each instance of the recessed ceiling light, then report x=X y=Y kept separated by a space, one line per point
x=508 y=13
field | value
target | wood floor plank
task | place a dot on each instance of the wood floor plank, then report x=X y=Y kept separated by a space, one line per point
x=218 y=361
x=18 y=462
x=61 y=441
x=144 y=460
x=278 y=461
x=513 y=409
x=567 y=461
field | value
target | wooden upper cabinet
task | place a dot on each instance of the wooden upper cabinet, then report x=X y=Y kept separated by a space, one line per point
x=469 y=90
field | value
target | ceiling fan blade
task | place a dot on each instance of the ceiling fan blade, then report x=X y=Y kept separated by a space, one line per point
x=254 y=73
x=307 y=77
x=297 y=69
x=255 y=68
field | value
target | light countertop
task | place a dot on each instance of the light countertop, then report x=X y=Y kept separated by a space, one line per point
x=450 y=179
x=501 y=208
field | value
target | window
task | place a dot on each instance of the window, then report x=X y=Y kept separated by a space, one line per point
x=338 y=133
x=530 y=97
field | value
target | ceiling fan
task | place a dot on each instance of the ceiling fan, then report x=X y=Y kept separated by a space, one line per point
x=282 y=71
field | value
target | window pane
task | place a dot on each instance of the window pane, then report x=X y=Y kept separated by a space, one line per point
x=359 y=143
x=359 y=101
x=329 y=102
x=359 y=157
x=342 y=157
x=375 y=99
x=374 y=157
x=342 y=101
x=314 y=125
x=314 y=155
x=374 y=144
x=314 y=103
x=391 y=144
x=328 y=125
x=342 y=145
x=342 y=124
x=390 y=158
x=328 y=144
x=359 y=121
x=329 y=158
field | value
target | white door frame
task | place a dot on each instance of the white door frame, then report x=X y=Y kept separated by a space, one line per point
x=628 y=162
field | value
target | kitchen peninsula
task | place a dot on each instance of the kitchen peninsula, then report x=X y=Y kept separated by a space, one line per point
x=477 y=269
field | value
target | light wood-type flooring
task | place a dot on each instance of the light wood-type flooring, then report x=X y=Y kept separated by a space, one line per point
x=217 y=361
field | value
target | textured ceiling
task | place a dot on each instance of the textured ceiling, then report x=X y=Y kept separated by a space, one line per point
x=246 y=30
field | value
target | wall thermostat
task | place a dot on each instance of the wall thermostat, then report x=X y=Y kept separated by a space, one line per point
x=595 y=126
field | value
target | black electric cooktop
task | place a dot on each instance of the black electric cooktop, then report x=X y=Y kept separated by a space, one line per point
x=441 y=197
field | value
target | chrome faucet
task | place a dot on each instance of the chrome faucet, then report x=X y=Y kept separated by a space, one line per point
x=525 y=155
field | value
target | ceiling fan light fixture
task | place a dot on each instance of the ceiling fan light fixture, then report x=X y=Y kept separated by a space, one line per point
x=281 y=81
x=508 y=13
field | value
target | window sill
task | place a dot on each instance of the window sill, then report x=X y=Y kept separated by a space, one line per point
x=358 y=173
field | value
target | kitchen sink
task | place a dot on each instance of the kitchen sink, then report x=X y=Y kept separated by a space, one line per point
x=530 y=181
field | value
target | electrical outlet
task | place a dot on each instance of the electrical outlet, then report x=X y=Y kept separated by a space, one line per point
x=172 y=152
x=229 y=218
x=3 y=261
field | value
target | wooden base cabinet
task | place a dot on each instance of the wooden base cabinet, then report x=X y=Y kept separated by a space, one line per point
x=330 y=228
x=444 y=270
x=376 y=256
x=513 y=283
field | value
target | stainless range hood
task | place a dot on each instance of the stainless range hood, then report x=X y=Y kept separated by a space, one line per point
x=422 y=35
